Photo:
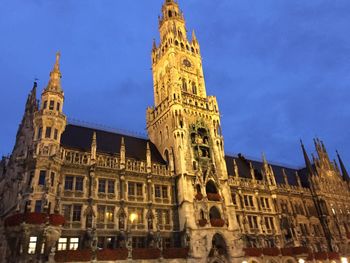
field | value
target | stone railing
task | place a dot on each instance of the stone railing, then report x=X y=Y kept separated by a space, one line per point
x=159 y=169
x=195 y=101
x=86 y=255
x=135 y=166
x=105 y=161
x=111 y=162
x=75 y=157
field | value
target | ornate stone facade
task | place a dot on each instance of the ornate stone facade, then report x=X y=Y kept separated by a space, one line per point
x=71 y=193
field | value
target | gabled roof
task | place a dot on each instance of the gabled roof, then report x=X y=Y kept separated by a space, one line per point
x=79 y=137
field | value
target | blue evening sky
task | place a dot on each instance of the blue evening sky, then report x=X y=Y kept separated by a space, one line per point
x=280 y=69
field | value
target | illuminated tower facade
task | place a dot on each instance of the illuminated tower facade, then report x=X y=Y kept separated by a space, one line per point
x=184 y=124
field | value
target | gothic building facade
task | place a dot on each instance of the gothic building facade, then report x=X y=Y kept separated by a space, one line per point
x=71 y=193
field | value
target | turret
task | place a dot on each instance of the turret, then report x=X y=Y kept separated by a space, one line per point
x=307 y=160
x=148 y=158
x=93 y=147
x=122 y=153
x=49 y=121
x=343 y=169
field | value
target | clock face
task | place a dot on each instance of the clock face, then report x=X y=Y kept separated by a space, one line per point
x=186 y=63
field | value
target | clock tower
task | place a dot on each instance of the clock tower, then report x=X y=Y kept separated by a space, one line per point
x=184 y=124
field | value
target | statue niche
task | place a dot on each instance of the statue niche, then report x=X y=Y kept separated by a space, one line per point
x=200 y=143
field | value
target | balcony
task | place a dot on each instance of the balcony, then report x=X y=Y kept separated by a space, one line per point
x=217 y=222
x=112 y=254
x=253 y=252
x=213 y=197
x=145 y=253
x=172 y=253
x=202 y=222
x=34 y=219
x=84 y=255
x=199 y=196
x=271 y=251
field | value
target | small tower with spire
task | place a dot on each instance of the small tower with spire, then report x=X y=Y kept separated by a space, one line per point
x=49 y=121
x=344 y=172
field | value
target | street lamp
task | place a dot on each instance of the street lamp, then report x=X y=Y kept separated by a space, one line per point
x=301 y=260
x=344 y=260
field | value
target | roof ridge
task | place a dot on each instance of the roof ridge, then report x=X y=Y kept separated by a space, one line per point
x=255 y=159
x=105 y=128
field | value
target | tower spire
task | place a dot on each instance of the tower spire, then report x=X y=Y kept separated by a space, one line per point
x=55 y=76
x=307 y=160
x=31 y=103
x=343 y=169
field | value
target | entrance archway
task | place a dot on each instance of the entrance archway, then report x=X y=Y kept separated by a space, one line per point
x=218 y=252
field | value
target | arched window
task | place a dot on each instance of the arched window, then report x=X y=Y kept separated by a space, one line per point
x=202 y=214
x=184 y=85
x=170 y=14
x=214 y=213
x=211 y=188
x=194 y=88
x=166 y=154
x=198 y=189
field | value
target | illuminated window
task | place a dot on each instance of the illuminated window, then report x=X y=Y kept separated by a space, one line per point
x=110 y=214
x=138 y=212
x=62 y=243
x=32 y=245
x=73 y=243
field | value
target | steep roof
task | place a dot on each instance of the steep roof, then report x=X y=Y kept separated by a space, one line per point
x=244 y=170
x=79 y=137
